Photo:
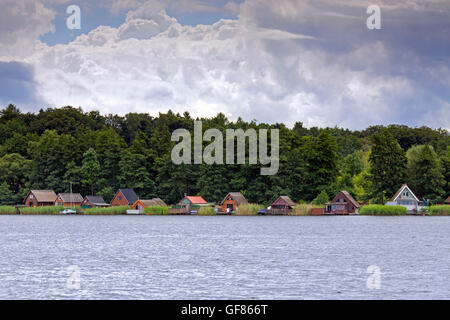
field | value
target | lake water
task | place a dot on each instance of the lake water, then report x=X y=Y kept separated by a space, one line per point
x=179 y=257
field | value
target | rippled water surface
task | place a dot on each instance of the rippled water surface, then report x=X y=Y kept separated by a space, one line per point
x=223 y=257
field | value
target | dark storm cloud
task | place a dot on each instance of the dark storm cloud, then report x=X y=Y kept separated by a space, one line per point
x=17 y=83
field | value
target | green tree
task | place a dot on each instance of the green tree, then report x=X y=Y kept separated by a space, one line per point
x=90 y=170
x=352 y=165
x=321 y=198
x=426 y=174
x=321 y=164
x=6 y=195
x=107 y=193
x=14 y=170
x=134 y=174
x=109 y=146
x=446 y=168
x=387 y=165
x=50 y=155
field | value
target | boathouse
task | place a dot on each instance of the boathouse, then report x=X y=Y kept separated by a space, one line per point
x=447 y=201
x=406 y=198
x=142 y=204
x=283 y=205
x=191 y=204
x=68 y=199
x=93 y=202
x=343 y=203
x=40 y=198
x=232 y=201
x=124 y=197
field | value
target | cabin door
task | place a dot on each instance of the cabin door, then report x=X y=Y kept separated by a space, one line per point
x=230 y=207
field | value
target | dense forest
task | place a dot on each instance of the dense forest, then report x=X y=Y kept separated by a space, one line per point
x=100 y=153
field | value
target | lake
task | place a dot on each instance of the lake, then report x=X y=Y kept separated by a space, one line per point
x=188 y=257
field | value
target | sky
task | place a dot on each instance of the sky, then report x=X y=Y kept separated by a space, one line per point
x=313 y=61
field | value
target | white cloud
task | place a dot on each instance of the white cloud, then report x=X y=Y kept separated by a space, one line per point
x=267 y=65
x=21 y=24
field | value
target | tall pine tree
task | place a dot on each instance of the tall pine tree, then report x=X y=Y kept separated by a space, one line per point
x=387 y=166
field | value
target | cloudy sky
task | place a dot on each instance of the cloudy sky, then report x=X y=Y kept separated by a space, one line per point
x=313 y=61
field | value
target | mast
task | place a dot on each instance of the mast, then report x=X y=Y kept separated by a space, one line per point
x=71 y=195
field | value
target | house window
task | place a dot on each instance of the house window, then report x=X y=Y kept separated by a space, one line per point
x=31 y=196
x=120 y=198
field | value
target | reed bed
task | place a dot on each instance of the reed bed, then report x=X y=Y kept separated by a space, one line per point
x=443 y=210
x=110 y=211
x=50 y=210
x=249 y=210
x=381 y=210
x=206 y=211
x=156 y=210
x=303 y=209
x=8 y=210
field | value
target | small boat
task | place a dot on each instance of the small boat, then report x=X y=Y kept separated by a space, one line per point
x=68 y=211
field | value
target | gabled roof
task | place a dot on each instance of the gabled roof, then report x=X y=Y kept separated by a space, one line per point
x=74 y=197
x=286 y=200
x=237 y=197
x=160 y=202
x=95 y=199
x=396 y=195
x=195 y=200
x=447 y=201
x=351 y=199
x=130 y=195
x=151 y=202
x=44 y=195
x=147 y=203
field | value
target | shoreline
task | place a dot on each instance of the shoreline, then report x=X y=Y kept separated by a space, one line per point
x=224 y=215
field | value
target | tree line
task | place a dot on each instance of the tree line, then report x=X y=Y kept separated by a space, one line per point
x=100 y=153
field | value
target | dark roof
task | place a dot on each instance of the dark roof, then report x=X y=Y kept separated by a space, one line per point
x=237 y=197
x=71 y=197
x=95 y=199
x=130 y=195
x=287 y=200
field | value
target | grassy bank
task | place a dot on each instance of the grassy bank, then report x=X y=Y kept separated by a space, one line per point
x=439 y=210
x=249 y=210
x=8 y=210
x=41 y=210
x=381 y=210
x=156 y=210
x=111 y=211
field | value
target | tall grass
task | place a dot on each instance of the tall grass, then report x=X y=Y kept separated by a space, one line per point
x=156 y=210
x=206 y=211
x=443 y=210
x=41 y=210
x=380 y=210
x=106 y=211
x=303 y=209
x=248 y=209
x=7 y=210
